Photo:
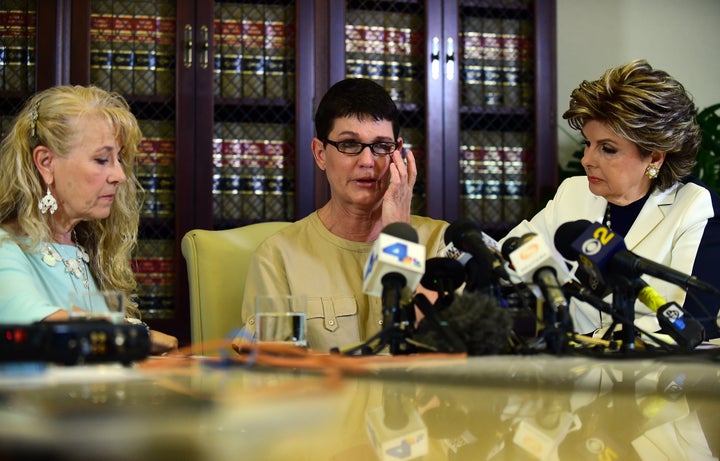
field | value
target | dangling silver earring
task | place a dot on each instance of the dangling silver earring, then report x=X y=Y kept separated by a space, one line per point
x=651 y=171
x=48 y=203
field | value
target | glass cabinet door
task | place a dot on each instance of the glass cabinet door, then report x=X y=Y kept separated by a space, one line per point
x=464 y=75
x=18 y=27
x=132 y=52
x=497 y=81
x=253 y=154
x=385 y=42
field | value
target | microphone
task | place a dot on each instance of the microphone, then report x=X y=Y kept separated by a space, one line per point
x=395 y=262
x=534 y=262
x=466 y=237
x=478 y=276
x=443 y=275
x=396 y=429
x=599 y=249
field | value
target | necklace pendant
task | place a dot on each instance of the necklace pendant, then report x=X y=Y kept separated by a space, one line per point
x=50 y=257
x=49 y=260
x=82 y=254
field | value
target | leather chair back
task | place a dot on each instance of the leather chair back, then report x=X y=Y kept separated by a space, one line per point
x=217 y=263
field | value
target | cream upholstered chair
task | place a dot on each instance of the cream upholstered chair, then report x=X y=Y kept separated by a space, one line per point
x=217 y=263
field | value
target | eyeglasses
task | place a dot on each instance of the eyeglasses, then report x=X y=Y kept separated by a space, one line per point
x=378 y=149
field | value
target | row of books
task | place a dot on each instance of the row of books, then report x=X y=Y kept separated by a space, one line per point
x=133 y=49
x=386 y=47
x=154 y=268
x=254 y=53
x=155 y=168
x=17 y=46
x=496 y=175
x=253 y=171
x=132 y=46
x=496 y=66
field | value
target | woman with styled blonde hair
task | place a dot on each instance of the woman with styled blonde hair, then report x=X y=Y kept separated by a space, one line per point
x=69 y=204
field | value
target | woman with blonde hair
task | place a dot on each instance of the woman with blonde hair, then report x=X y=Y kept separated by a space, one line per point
x=69 y=204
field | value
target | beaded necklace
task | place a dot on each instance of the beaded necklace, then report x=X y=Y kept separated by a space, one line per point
x=75 y=267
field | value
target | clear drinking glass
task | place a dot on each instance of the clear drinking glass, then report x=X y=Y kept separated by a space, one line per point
x=281 y=319
x=106 y=304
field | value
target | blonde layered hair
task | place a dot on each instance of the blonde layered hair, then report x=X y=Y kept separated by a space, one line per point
x=49 y=119
x=647 y=107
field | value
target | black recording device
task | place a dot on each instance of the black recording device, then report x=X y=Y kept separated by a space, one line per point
x=74 y=342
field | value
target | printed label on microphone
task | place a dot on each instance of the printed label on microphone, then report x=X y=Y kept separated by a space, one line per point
x=391 y=254
x=595 y=247
x=409 y=442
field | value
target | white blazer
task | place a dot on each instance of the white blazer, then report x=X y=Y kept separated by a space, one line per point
x=668 y=230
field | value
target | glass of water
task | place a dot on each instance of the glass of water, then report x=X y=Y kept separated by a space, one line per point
x=281 y=319
x=104 y=304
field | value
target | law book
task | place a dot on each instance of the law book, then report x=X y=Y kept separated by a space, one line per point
x=492 y=64
x=365 y=49
x=397 y=54
x=121 y=78
x=166 y=27
x=217 y=168
x=413 y=74
x=278 y=163
x=144 y=48
x=101 y=46
x=226 y=170
x=18 y=37
x=153 y=265
x=277 y=51
x=229 y=36
x=253 y=51
x=155 y=168
x=511 y=63
x=252 y=175
x=481 y=175
x=471 y=179
x=516 y=193
x=354 y=47
x=471 y=71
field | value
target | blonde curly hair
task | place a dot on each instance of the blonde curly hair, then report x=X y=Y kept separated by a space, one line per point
x=48 y=118
x=647 y=107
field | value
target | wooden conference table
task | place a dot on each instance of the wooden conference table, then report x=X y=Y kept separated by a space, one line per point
x=446 y=408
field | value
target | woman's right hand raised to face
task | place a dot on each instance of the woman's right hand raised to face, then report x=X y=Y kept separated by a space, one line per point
x=398 y=196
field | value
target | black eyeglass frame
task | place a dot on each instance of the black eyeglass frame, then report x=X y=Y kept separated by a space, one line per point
x=336 y=145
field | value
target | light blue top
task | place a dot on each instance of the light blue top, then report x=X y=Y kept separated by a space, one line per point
x=30 y=290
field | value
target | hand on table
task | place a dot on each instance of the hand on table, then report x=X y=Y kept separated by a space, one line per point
x=162 y=343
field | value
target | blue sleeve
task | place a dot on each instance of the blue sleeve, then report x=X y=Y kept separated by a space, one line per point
x=22 y=300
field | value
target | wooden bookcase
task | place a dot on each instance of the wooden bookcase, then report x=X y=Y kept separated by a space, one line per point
x=225 y=92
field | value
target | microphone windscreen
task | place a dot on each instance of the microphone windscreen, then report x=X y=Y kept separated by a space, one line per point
x=443 y=274
x=477 y=320
x=401 y=230
x=566 y=234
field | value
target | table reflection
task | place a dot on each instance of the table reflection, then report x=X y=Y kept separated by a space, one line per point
x=481 y=408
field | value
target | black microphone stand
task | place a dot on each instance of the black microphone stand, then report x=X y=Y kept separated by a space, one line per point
x=624 y=303
x=397 y=321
